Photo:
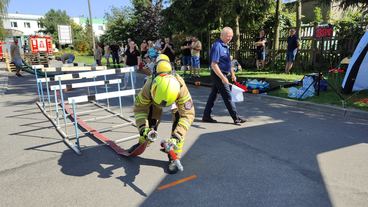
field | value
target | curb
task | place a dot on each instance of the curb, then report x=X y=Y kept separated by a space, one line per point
x=323 y=108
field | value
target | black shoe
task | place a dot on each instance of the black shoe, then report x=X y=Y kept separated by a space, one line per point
x=239 y=120
x=208 y=119
x=18 y=74
x=134 y=147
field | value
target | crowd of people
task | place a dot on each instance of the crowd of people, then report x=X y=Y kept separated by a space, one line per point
x=131 y=54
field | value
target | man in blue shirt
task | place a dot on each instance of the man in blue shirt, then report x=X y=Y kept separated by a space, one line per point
x=221 y=68
x=292 y=48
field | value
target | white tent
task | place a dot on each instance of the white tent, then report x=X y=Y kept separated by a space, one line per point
x=356 y=77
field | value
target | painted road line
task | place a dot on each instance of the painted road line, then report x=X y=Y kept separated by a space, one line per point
x=177 y=182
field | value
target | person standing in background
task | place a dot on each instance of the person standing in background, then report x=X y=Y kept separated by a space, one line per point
x=115 y=53
x=152 y=52
x=260 y=44
x=168 y=49
x=16 y=58
x=98 y=55
x=144 y=48
x=107 y=54
x=196 y=53
x=186 y=59
x=132 y=58
x=292 y=49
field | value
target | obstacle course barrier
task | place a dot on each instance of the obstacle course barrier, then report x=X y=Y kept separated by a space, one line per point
x=64 y=111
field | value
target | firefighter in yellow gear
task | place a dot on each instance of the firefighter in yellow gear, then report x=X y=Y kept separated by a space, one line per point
x=164 y=89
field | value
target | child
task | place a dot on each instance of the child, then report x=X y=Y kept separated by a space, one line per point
x=235 y=64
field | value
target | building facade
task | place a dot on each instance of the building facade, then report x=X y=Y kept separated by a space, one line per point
x=28 y=24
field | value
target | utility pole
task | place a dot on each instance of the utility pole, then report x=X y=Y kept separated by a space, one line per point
x=90 y=20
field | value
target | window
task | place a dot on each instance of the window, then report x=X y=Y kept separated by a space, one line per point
x=100 y=27
x=14 y=24
x=39 y=24
x=27 y=25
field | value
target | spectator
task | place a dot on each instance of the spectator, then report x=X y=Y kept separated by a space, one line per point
x=186 y=52
x=260 y=44
x=196 y=53
x=98 y=55
x=107 y=54
x=158 y=45
x=152 y=52
x=221 y=68
x=132 y=58
x=144 y=48
x=235 y=64
x=25 y=47
x=16 y=58
x=292 y=49
x=168 y=49
x=148 y=66
x=115 y=53
x=122 y=50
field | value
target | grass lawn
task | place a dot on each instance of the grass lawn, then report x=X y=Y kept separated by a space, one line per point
x=89 y=60
x=358 y=100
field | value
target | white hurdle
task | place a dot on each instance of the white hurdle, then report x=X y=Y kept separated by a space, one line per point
x=58 y=89
x=97 y=133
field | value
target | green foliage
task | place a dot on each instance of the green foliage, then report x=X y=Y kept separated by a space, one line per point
x=3 y=7
x=82 y=40
x=350 y=28
x=120 y=25
x=360 y=5
x=52 y=19
x=317 y=14
x=147 y=19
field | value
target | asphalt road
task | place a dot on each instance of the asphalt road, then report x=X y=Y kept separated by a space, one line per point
x=284 y=155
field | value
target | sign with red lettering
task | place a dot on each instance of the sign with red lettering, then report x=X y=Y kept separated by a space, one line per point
x=324 y=31
x=49 y=45
x=34 y=45
x=41 y=44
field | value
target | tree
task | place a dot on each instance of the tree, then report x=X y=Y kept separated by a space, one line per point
x=252 y=14
x=3 y=7
x=277 y=26
x=317 y=14
x=119 y=25
x=147 y=19
x=52 y=19
x=361 y=5
x=298 y=17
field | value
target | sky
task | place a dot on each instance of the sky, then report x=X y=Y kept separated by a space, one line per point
x=74 y=8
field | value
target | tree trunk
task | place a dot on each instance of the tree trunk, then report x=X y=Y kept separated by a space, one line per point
x=298 y=17
x=277 y=29
x=237 y=36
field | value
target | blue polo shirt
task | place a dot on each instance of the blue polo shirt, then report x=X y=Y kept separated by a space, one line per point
x=220 y=54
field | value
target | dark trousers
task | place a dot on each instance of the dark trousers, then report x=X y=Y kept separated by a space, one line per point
x=115 y=58
x=224 y=90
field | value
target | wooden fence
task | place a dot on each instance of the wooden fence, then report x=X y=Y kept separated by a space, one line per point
x=313 y=52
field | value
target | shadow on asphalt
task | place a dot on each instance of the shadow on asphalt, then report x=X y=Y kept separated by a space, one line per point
x=269 y=164
x=92 y=160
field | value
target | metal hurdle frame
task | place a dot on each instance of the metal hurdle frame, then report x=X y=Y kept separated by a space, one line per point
x=46 y=79
x=97 y=133
x=83 y=75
